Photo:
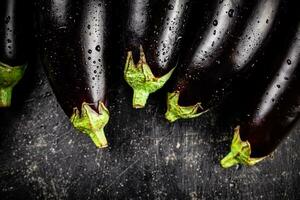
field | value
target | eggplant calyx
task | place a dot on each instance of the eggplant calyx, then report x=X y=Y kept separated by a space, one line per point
x=92 y=123
x=9 y=77
x=141 y=79
x=240 y=152
x=175 y=111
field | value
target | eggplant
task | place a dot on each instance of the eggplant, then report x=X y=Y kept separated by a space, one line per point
x=14 y=36
x=75 y=51
x=153 y=32
x=270 y=117
x=230 y=43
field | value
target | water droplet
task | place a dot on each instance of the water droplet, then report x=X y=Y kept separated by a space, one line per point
x=231 y=13
x=170 y=7
x=98 y=48
x=215 y=22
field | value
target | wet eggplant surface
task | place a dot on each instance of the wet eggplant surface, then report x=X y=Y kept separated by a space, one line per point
x=43 y=157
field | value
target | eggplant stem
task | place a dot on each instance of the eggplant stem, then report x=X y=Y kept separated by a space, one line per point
x=141 y=79
x=92 y=123
x=175 y=111
x=240 y=152
x=139 y=98
x=5 y=97
x=9 y=77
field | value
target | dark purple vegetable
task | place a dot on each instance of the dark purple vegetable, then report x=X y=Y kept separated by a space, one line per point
x=14 y=36
x=230 y=43
x=271 y=116
x=75 y=52
x=153 y=38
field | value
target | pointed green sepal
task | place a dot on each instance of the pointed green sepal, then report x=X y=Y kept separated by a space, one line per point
x=92 y=123
x=175 y=111
x=141 y=79
x=240 y=152
x=9 y=77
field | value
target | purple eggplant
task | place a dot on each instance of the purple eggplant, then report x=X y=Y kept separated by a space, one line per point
x=15 y=30
x=153 y=33
x=237 y=31
x=75 y=51
x=270 y=117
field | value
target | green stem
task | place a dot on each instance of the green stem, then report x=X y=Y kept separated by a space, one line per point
x=99 y=138
x=139 y=98
x=5 y=97
x=9 y=77
x=240 y=152
x=141 y=79
x=229 y=160
x=175 y=111
x=92 y=123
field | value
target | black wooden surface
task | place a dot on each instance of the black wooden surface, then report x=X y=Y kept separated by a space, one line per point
x=43 y=157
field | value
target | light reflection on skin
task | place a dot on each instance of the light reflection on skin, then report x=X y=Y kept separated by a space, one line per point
x=138 y=17
x=274 y=92
x=10 y=10
x=214 y=37
x=60 y=11
x=95 y=19
x=168 y=39
x=256 y=31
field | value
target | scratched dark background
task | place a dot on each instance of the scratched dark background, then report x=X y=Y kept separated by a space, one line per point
x=43 y=157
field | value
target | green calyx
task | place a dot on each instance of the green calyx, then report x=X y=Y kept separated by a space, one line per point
x=175 y=111
x=240 y=152
x=9 y=77
x=92 y=123
x=142 y=80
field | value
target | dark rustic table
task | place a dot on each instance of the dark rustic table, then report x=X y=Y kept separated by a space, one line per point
x=43 y=157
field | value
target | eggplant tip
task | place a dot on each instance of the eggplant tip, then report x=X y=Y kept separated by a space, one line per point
x=92 y=123
x=9 y=77
x=240 y=152
x=141 y=79
x=175 y=111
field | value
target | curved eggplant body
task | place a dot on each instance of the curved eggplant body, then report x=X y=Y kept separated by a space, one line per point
x=14 y=36
x=255 y=34
x=220 y=57
x=152 y=41
x=75 y=47
x=273 y=114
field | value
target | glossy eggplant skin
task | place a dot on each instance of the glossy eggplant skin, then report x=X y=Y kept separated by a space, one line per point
x=74 y=51
x=270 y=117
x=15 y=30
x=75 y=43
x=153 y=32
x=226 y=50
x=137 y=18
